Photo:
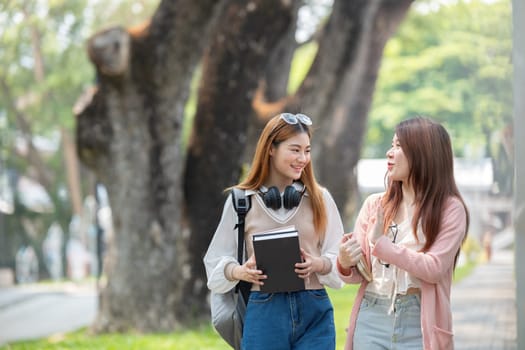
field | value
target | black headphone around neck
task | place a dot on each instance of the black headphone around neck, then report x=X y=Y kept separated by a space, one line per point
x=291 y=197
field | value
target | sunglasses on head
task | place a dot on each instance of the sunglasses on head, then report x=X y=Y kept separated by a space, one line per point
x=296 y=118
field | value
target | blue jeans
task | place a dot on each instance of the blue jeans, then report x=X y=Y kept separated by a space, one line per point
x=286 y=321
x=376 y=329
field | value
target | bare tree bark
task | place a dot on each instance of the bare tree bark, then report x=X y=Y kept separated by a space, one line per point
x=129 y=132
x=273 y=87
x=72 y=171
x=338 y=90
x=277 y=69
x=232 y=67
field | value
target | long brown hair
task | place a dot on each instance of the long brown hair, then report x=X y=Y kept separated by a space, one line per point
x=275 y=132
x=427 y=146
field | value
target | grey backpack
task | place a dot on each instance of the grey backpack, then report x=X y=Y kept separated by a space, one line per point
x=227 y=309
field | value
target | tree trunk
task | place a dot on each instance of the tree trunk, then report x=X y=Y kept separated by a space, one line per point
x=72 y=171
x=232 y=67
x=130 y=134
x=338 y=90
x=274 y=82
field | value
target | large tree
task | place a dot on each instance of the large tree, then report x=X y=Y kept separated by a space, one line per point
x=166 y=199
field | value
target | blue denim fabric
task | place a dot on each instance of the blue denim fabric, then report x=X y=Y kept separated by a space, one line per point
x=286 y=321
x=376 y=329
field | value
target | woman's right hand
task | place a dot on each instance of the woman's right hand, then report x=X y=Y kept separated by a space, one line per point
x=350 y=251
x=248 y=272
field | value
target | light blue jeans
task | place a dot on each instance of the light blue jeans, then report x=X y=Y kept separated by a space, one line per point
x=376 y=329
x=302 y=320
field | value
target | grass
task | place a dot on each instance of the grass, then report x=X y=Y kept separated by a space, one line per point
x=83 y=341
x=463 y=271
x=202 y=338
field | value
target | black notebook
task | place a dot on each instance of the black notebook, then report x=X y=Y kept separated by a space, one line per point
x=276 y=253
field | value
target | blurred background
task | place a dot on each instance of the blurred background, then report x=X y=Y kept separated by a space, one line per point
x=122 y=123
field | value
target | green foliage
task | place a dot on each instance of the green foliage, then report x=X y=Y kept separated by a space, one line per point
x=127 y=13
x=452 y=64
x=53 y=32
x=301 y=62
x=43 y=70
x=191 y=107
x=471 y=249
x=463 y=271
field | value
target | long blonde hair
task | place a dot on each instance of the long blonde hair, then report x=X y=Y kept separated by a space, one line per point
x=275 y=132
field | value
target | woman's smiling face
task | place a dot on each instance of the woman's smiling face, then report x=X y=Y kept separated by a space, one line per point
x=290 y=157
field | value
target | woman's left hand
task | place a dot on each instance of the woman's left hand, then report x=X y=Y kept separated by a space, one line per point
x=310 y=265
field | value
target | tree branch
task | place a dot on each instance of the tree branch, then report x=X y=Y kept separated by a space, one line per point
x=43 y=174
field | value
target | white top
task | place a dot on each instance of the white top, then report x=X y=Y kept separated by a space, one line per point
x=390 y=281
x=223 y=247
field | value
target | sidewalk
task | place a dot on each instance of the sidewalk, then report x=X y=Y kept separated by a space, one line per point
x=36 y=311
x=484 y=306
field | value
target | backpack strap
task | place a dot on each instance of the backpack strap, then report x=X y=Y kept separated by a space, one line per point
x=241 y=204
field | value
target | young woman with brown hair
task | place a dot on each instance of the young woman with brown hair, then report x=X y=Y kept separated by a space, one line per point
x=283 y=192
x=411 y=236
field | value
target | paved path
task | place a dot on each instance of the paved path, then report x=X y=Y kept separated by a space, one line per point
x=484 y=306
x=36 y=311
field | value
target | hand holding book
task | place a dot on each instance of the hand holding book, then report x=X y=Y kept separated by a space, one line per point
x=247 y=272
x=308 y=266
x=364 y=269
x=351 y=254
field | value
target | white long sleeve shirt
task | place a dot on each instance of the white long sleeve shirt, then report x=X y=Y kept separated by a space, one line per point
x=223 y=247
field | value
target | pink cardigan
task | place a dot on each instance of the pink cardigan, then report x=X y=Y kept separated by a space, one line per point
x=434 y=268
